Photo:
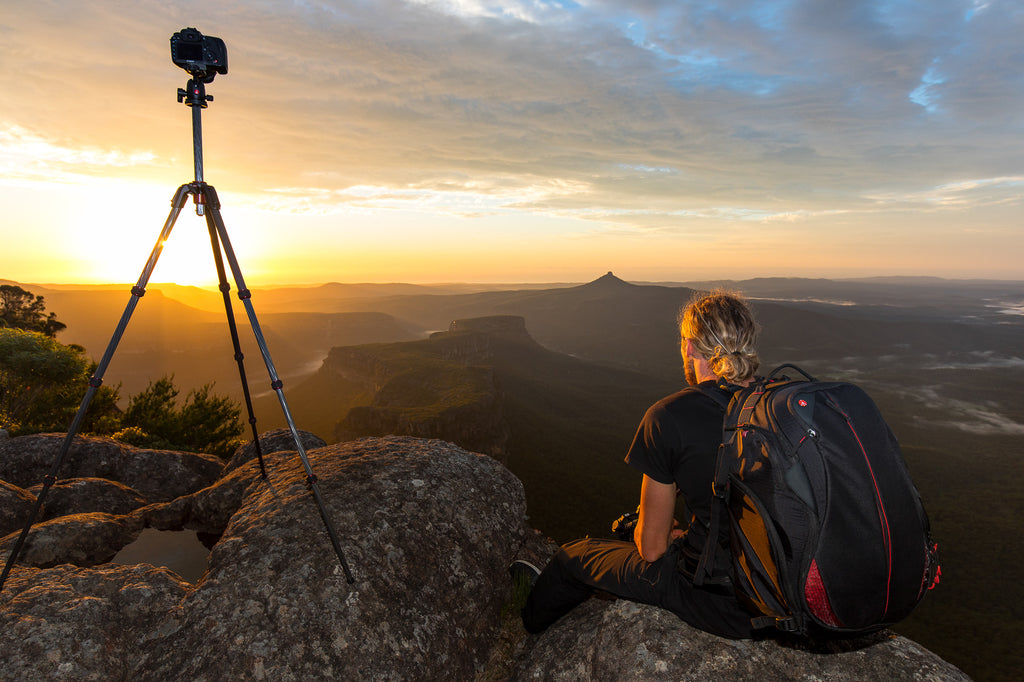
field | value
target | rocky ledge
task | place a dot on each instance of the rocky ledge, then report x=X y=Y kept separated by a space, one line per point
x=428 y=530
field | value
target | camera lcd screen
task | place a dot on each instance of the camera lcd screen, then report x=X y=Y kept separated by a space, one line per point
x=192 y=52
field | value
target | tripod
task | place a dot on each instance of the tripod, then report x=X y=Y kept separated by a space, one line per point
x=207 y=203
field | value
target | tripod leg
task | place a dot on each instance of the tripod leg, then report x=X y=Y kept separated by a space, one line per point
x=212 y=204
x=138 y=291
x=239 y=357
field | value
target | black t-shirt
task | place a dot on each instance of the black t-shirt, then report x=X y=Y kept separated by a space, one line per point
x=677 y=442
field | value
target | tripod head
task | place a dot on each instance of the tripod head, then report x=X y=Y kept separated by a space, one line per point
x=194 y=94
x=203 y=57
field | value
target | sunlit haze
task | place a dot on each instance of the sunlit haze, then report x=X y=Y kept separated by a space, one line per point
x=543 y=141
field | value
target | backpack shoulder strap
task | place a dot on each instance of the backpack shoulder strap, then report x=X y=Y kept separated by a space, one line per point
x=715 y=393
x=736 y=411
x=777 y=373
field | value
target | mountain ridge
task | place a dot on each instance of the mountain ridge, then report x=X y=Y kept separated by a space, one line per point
x=944 y=363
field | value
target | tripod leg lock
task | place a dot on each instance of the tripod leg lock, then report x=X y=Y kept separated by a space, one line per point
x=277 y=385
x=310 y=480
x=95 y=381
x=244 y=294
x=138 y=291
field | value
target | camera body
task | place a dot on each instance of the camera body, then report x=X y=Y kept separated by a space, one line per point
x=202 y=56
x=623 y=526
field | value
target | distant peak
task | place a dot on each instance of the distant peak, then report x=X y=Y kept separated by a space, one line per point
x=608 y=280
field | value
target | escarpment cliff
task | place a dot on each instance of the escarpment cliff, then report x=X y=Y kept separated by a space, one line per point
x=486 y=385
x=444 y=387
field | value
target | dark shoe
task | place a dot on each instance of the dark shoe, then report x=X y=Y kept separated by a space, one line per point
x=523 y=572
x=524 y=575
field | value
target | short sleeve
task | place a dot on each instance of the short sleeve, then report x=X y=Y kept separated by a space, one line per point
x=656 y=442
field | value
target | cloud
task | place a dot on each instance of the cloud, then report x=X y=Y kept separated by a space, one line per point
x=26 y=157
x=964 y=194
x=655 y=113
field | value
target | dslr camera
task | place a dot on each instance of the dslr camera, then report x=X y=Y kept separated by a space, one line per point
x=623 y=526
x=202 y=56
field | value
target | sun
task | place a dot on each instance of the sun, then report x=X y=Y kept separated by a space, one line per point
x=115 y=241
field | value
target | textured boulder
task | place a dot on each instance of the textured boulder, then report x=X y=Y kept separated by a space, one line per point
x=278 y=440
x=84 y=518
x=70 y=623
x=621 y=640
x=157 y=475
x=83 y=495
x=15 y=507
x=82 y=540
x=209 y=510
x=86 y=521
x=427 y=528
x=77 y=536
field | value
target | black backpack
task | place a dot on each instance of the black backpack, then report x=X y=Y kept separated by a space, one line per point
x=828 y=535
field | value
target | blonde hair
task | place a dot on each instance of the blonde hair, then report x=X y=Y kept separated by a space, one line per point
x=723 y=330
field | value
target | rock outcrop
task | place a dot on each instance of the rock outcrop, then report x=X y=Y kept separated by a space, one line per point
x=278 y=440
x=71 y=623
x=623 y=641
x=83 y=495
x=107 y=494
x=157 y=475
x=80 y=539
x=15 y=506
x=428 y=530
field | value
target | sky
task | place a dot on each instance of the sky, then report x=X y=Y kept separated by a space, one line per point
x=529 y=141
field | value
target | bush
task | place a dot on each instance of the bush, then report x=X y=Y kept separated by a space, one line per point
x=133 y=435
x=43 y=382
x=204 y=423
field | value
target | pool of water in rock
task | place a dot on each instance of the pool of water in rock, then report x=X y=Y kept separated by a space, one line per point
x=179 y=550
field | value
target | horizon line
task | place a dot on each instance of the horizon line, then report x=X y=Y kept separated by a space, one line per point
x=213 y=286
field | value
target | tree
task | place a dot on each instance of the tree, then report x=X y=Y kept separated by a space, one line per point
x=204 y=423
x=42 y=383
x=20 y=309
